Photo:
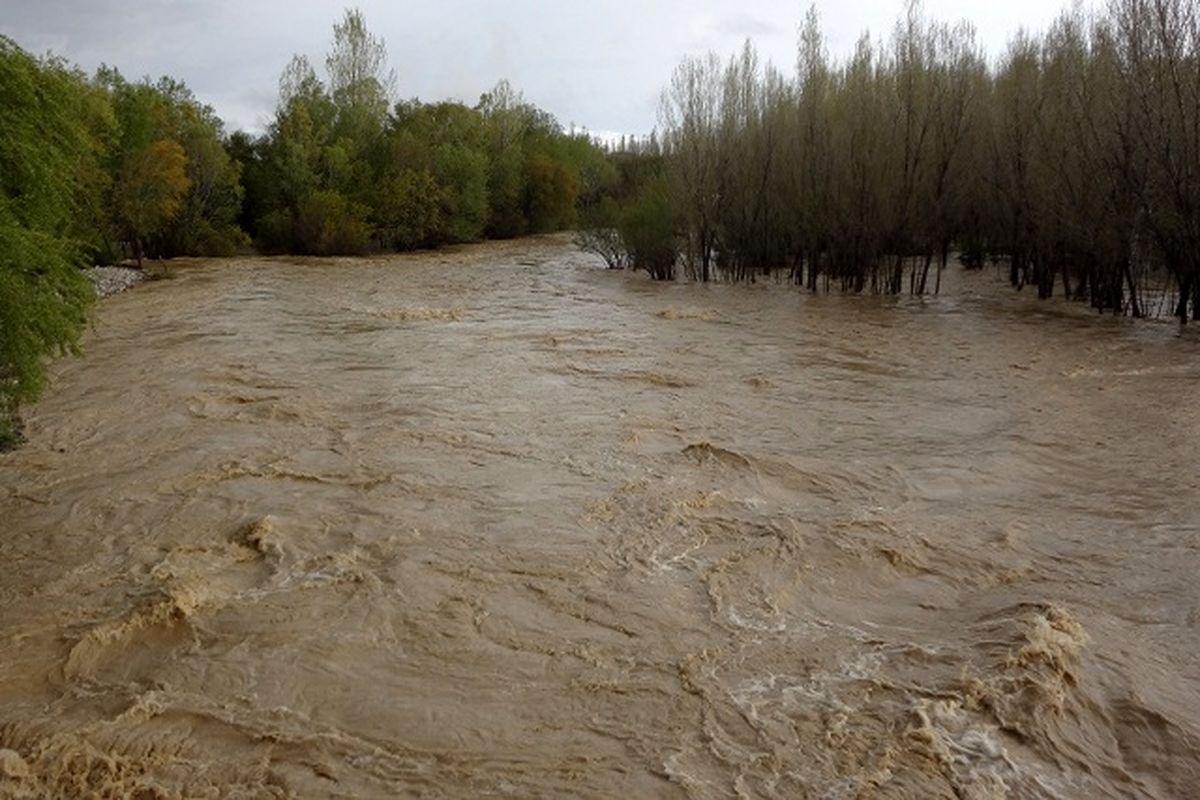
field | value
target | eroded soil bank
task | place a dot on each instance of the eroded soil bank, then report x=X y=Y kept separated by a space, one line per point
x=495 y=522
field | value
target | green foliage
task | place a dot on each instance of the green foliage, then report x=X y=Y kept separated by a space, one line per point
x=47 y=157
x=11 y=432
x=294 y=152
x=506 y=217
x=175 y=189
x=359 y=82
x=326 y=223
x=43 y=304
x=462 y=173
x=420 y=175
x=275 y=230
x=648 y=229
x=92 y=226
x=599 y=233
x=550 y=191
x=245 y=154
x=407 y=209
x=206 y=224
x=149 y=190
x=629 y=217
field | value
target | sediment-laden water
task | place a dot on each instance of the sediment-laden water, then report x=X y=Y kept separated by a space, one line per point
x=495 y=522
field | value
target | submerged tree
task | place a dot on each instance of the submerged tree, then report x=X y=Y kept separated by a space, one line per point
x=691 y=116
x=1075 y=158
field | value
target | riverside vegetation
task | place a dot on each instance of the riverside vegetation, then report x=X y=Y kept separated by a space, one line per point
x=496 y=521
x=1073 y=159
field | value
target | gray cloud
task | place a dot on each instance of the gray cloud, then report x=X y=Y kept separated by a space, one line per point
x=599 y=64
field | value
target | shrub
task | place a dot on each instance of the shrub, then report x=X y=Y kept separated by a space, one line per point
x=327 y=224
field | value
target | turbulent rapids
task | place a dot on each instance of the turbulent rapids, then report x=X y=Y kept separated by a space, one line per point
x=496 y=522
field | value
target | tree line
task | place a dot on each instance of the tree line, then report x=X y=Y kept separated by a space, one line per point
x=344 y=169
x=1073 y=160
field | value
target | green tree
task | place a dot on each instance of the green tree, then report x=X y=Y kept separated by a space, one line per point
x=648 y=229
x=149 y=191
x=461 y=172
x=47 y=157
x=550 y=189
x=327 y=223
x=407 y=209
x=206 y=224
x=149 y=212
x=417 y=174
x=360 y=82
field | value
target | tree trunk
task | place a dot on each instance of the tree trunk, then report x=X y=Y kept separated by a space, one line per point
x=937 y=287
x=1185 y=294
x=925 y=274
x=1135 y=306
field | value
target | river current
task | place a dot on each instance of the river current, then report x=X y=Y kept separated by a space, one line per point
x=496 y=522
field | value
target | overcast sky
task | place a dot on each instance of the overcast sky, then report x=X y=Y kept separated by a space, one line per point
x=599 y=64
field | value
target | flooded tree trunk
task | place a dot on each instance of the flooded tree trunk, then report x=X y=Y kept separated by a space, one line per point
x=937 y=288
x=1016 y=272
x=1044 y=276
x=921 y=288
x=1082 y=289
x=1185 y=294
x=1135 y=306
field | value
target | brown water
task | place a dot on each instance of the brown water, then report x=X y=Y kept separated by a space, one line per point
x=494 y=522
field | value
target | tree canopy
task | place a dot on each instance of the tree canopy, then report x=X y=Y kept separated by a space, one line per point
x=1072 y=159
x=344 y=168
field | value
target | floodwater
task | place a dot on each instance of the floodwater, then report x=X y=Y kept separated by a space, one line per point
x=494 y=522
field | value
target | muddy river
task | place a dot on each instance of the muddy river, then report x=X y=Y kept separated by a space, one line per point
x=496 y=522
